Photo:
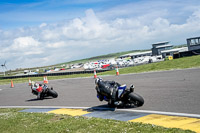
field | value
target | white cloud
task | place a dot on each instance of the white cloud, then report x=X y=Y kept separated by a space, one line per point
x=49 y=34
x=43 y=25
x=24 y=42
x=88 y=27
x=57 y=44
x=92 y=35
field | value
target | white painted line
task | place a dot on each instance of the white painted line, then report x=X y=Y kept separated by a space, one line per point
x=127 y=110
x=161 y=112
x=0 y=89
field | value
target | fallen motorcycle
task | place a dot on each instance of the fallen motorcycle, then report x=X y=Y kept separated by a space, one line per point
x=42 y=91
x=117 y=95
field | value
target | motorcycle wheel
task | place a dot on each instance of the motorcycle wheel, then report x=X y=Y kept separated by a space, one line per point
x=136 y=99
x=53 y=93
x=41 y=97
x=111 y=104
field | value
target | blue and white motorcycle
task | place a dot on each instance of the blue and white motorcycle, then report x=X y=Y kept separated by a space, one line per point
x=117 y=95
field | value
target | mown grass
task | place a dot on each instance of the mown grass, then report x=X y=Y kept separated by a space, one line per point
x=181 y=63
x=12 y=121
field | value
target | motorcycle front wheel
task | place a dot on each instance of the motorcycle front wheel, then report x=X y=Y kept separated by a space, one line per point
x=135 y=99
x=53 y=93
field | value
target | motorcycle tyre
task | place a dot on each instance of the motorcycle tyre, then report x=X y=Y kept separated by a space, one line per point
x=136 y=99
x=41 y=97
x=53 y=93
x=111 y=104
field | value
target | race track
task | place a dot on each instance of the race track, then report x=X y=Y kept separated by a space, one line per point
x=169 y=91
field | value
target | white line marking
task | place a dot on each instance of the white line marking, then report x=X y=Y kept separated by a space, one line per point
x=0 y=89
x=161 y=112
x=127 y=110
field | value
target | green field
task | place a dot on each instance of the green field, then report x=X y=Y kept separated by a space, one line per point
x=12 y=121
x=181 y=63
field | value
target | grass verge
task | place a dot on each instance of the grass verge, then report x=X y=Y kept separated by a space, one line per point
x=19 y=122
x=181 y=63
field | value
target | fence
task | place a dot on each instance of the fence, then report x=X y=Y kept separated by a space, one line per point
x=54 y=74
x=70 y=73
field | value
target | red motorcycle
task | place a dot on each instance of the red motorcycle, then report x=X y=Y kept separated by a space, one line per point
x=42 y=91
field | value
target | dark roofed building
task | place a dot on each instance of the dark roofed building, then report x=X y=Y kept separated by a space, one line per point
x=193 y=43
x=136 y=54
x=161 y=46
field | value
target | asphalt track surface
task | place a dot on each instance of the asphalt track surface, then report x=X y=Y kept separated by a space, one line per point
x=168 y=91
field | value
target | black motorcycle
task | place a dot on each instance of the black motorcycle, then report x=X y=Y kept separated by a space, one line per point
x=117 y=95
x=44 y=91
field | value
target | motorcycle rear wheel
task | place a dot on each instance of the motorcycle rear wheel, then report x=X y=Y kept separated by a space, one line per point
x=136 y=99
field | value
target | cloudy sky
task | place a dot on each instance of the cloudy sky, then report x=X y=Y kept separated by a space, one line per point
x=46 y=32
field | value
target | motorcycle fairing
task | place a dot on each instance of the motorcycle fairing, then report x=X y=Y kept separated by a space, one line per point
x=105 y=98
x=39 y=89
x=121 y=90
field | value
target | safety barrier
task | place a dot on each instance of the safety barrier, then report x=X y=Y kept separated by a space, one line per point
x=68 y=73
x=54 y=74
